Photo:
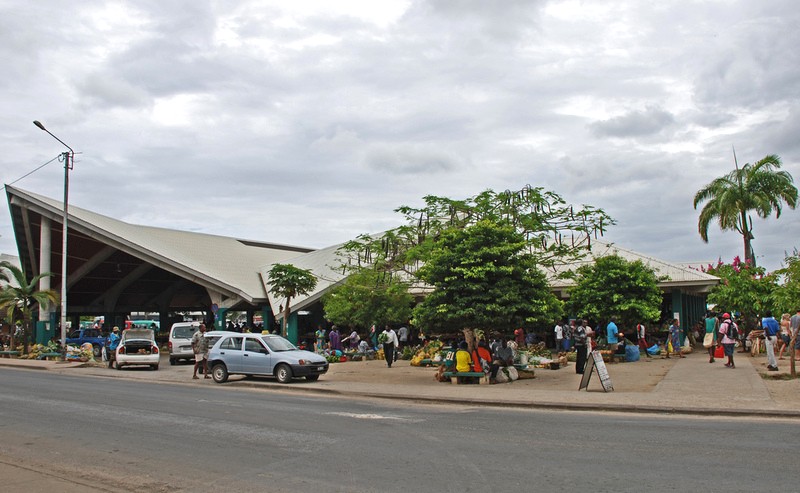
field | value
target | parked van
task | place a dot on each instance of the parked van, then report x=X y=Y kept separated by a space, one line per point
x=180 y=341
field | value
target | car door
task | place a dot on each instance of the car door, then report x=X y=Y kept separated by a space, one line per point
x=256 y=358
x=230 y=352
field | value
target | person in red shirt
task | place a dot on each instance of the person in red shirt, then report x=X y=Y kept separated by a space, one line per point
x=519 y=337
x=479 y=355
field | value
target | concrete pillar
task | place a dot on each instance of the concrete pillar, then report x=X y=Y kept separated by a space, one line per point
x=44 y=327
x=292 y=329
x=266 y=317
x=221 y=319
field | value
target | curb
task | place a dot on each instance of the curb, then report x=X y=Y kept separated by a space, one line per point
x=510 y=404
x=561 y=406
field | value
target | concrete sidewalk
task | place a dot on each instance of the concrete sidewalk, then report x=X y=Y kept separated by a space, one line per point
x=682 y=386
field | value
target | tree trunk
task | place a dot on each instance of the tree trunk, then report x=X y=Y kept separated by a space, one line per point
x=286 y=312
x=748 y=237
x=26 y=336
x=469 y=336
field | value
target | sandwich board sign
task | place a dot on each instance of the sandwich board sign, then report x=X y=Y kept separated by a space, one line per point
x=595 y=363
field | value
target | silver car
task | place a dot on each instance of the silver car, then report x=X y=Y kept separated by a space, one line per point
x=263 y=355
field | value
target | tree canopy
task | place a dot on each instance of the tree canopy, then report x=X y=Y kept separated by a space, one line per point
x=554 y=231
x=759 y=187
x=484 y=278
x=368 y=297
x=745 y=289
x=288 y=281
x=615 y=287
x=786 y=296
x=19 y=298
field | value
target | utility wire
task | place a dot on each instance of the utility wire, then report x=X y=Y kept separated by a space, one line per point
x=33 y=171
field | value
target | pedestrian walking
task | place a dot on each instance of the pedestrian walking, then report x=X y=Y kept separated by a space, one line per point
x=675 y=338
x=402 y=337
x=319 y=335
x=785 y=336
x=389 y=339
x=771 y=330
x=730 y=332
x=200 y=349
x=710 y=338
x=641 y=337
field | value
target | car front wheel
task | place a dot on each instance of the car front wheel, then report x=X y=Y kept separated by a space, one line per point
x=219 y=373
x=312 y=378
x=97 y=350
x=283 y=373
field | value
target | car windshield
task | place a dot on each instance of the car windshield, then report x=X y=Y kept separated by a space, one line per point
x=184 y=332
x=277 y=343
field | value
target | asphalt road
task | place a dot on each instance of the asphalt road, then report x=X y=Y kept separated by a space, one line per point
x=120 y=435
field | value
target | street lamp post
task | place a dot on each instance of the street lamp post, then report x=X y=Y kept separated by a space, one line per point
x=68 y=163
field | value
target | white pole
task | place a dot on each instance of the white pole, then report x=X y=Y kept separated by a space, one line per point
x=68 y=156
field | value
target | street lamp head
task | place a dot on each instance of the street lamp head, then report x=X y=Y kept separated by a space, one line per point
x=39 y=124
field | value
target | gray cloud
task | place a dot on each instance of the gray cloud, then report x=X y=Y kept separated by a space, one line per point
x=651 y=120
x=410 y=160
x=310 y=124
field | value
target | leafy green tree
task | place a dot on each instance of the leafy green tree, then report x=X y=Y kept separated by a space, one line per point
x=484 y=278
x=786 y=296
x=553 y=231
x=758 y=187
x=744 y=289
x=368 y=297
x=19 y=297
x=288 y=281
x=615 y=287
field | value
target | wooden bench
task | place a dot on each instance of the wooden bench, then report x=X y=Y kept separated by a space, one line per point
x=49 y=355
x=457 y=377
x=8 y=354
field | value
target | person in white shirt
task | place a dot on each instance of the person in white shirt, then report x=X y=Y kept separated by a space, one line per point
x=390 y=342
x=559 y=331
x=402 y=335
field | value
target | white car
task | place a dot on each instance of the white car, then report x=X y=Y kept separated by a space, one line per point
x=180 y=341
x=138 y=347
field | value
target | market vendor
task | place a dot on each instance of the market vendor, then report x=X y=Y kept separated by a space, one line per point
x=463 y=359
x=502 y=357
x=481 y=357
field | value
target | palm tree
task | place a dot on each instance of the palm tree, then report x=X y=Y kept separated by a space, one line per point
x=759 y=187
x=288 y=281
x=20 y=296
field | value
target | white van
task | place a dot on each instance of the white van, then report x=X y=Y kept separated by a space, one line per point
x=180 y=341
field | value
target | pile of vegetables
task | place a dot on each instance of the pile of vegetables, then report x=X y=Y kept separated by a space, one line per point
x=38 y=349
x=429 y=351
x=539 y=349
x=83 y=353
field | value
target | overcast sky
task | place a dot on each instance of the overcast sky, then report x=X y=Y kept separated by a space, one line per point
x=309 y=122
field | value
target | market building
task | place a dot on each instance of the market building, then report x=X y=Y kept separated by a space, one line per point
x=115 y=268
